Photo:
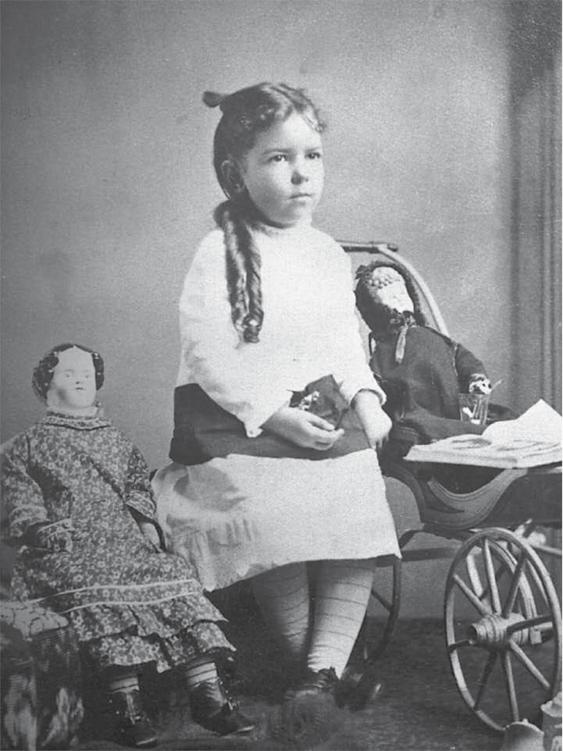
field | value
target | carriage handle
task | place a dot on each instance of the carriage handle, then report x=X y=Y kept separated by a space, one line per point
x=392 y=252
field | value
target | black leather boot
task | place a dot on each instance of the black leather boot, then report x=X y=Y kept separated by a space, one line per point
x=309 y=714
x=133 y=727
x=212 y=708
x=316 y=683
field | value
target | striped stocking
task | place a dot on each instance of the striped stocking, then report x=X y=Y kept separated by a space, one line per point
x=283 y=597
x=342 y=591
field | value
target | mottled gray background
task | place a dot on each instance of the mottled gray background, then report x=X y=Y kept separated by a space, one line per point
x=442 y=138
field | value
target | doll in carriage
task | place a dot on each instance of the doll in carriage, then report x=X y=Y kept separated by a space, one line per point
x=501 y=611
x=422 y=371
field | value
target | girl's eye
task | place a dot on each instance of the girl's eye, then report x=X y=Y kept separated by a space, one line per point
x=278 y=158
x=315 y=155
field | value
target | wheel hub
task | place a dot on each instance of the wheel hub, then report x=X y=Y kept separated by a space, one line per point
x=491 y=631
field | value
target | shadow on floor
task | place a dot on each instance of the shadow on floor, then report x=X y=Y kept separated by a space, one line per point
x=420 y=708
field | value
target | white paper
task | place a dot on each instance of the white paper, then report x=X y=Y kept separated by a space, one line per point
x=540 y=424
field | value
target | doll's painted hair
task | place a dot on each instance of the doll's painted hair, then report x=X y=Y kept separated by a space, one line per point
x=377 y=316
x=245 y=114
x=43 y=372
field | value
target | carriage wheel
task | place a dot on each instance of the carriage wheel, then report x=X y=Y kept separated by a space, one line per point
x=503 y=628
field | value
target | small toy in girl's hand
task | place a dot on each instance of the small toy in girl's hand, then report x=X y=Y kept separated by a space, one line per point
x=82 y=514
x=307 y=402
x=422 y=371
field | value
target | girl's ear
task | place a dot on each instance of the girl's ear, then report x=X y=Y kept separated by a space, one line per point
x=232 y=177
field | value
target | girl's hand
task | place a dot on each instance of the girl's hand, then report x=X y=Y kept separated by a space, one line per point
x=303 y=428
x=150 y=532
x=375 y=422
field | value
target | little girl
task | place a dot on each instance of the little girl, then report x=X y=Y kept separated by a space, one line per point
x=81 y=510
x=277 y=414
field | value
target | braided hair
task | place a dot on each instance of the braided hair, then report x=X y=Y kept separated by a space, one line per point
x=245 y=114
x=43 y=372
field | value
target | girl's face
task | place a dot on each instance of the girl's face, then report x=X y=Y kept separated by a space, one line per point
x=73 y=385
x=284 y=173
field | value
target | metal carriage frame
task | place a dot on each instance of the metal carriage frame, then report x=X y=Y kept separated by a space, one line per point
x=502 y=611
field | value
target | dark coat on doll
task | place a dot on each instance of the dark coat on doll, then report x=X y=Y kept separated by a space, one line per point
x=421 y=370
x=423 y=387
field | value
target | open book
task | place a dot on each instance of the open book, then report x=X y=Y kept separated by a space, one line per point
x=533 y=439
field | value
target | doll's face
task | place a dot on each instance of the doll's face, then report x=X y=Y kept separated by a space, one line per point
x=393 y=294
x=73 y=385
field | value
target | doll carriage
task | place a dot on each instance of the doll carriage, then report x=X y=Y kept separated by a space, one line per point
x=502 y=612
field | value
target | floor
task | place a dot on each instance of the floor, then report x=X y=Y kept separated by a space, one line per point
x=419 y=708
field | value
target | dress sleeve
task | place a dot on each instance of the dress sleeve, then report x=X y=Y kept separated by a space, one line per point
x=138 y=489
x=229 y=370
x=23 y=497
x=352 y=371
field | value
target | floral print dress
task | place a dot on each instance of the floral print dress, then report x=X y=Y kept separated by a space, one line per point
x=129 y=602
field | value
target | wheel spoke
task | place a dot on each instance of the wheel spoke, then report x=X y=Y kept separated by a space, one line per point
x=491 y=576
x=473 y=574
x=514 y=584
x=486 y=674
x=510 y=687
x=471 y=596
x=528 y=664
x=530 y=623
x=459 y=644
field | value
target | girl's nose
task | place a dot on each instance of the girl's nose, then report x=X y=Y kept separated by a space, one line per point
x=299 y=172
x=299 y=176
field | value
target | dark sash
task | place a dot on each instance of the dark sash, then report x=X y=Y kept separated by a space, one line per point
x=203 y=430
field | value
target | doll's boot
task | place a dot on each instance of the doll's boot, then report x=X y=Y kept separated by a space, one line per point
x=213 y=708
x=133 y=727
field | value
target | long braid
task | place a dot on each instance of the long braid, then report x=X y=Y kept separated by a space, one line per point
x=245 y=114
x=243 y=265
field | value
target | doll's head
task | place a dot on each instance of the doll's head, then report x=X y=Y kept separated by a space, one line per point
x=268 y=161
x=385 y=294
x=68 y=377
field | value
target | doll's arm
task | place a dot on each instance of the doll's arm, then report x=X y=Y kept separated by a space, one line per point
x=471 y=372
x=23 y=498
x=140 y=499
x=138 y=490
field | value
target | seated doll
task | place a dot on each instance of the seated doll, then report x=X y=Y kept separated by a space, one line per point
x=81 y=512
x=421 y=370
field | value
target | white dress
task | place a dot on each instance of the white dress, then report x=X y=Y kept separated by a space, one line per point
x=236 y=516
